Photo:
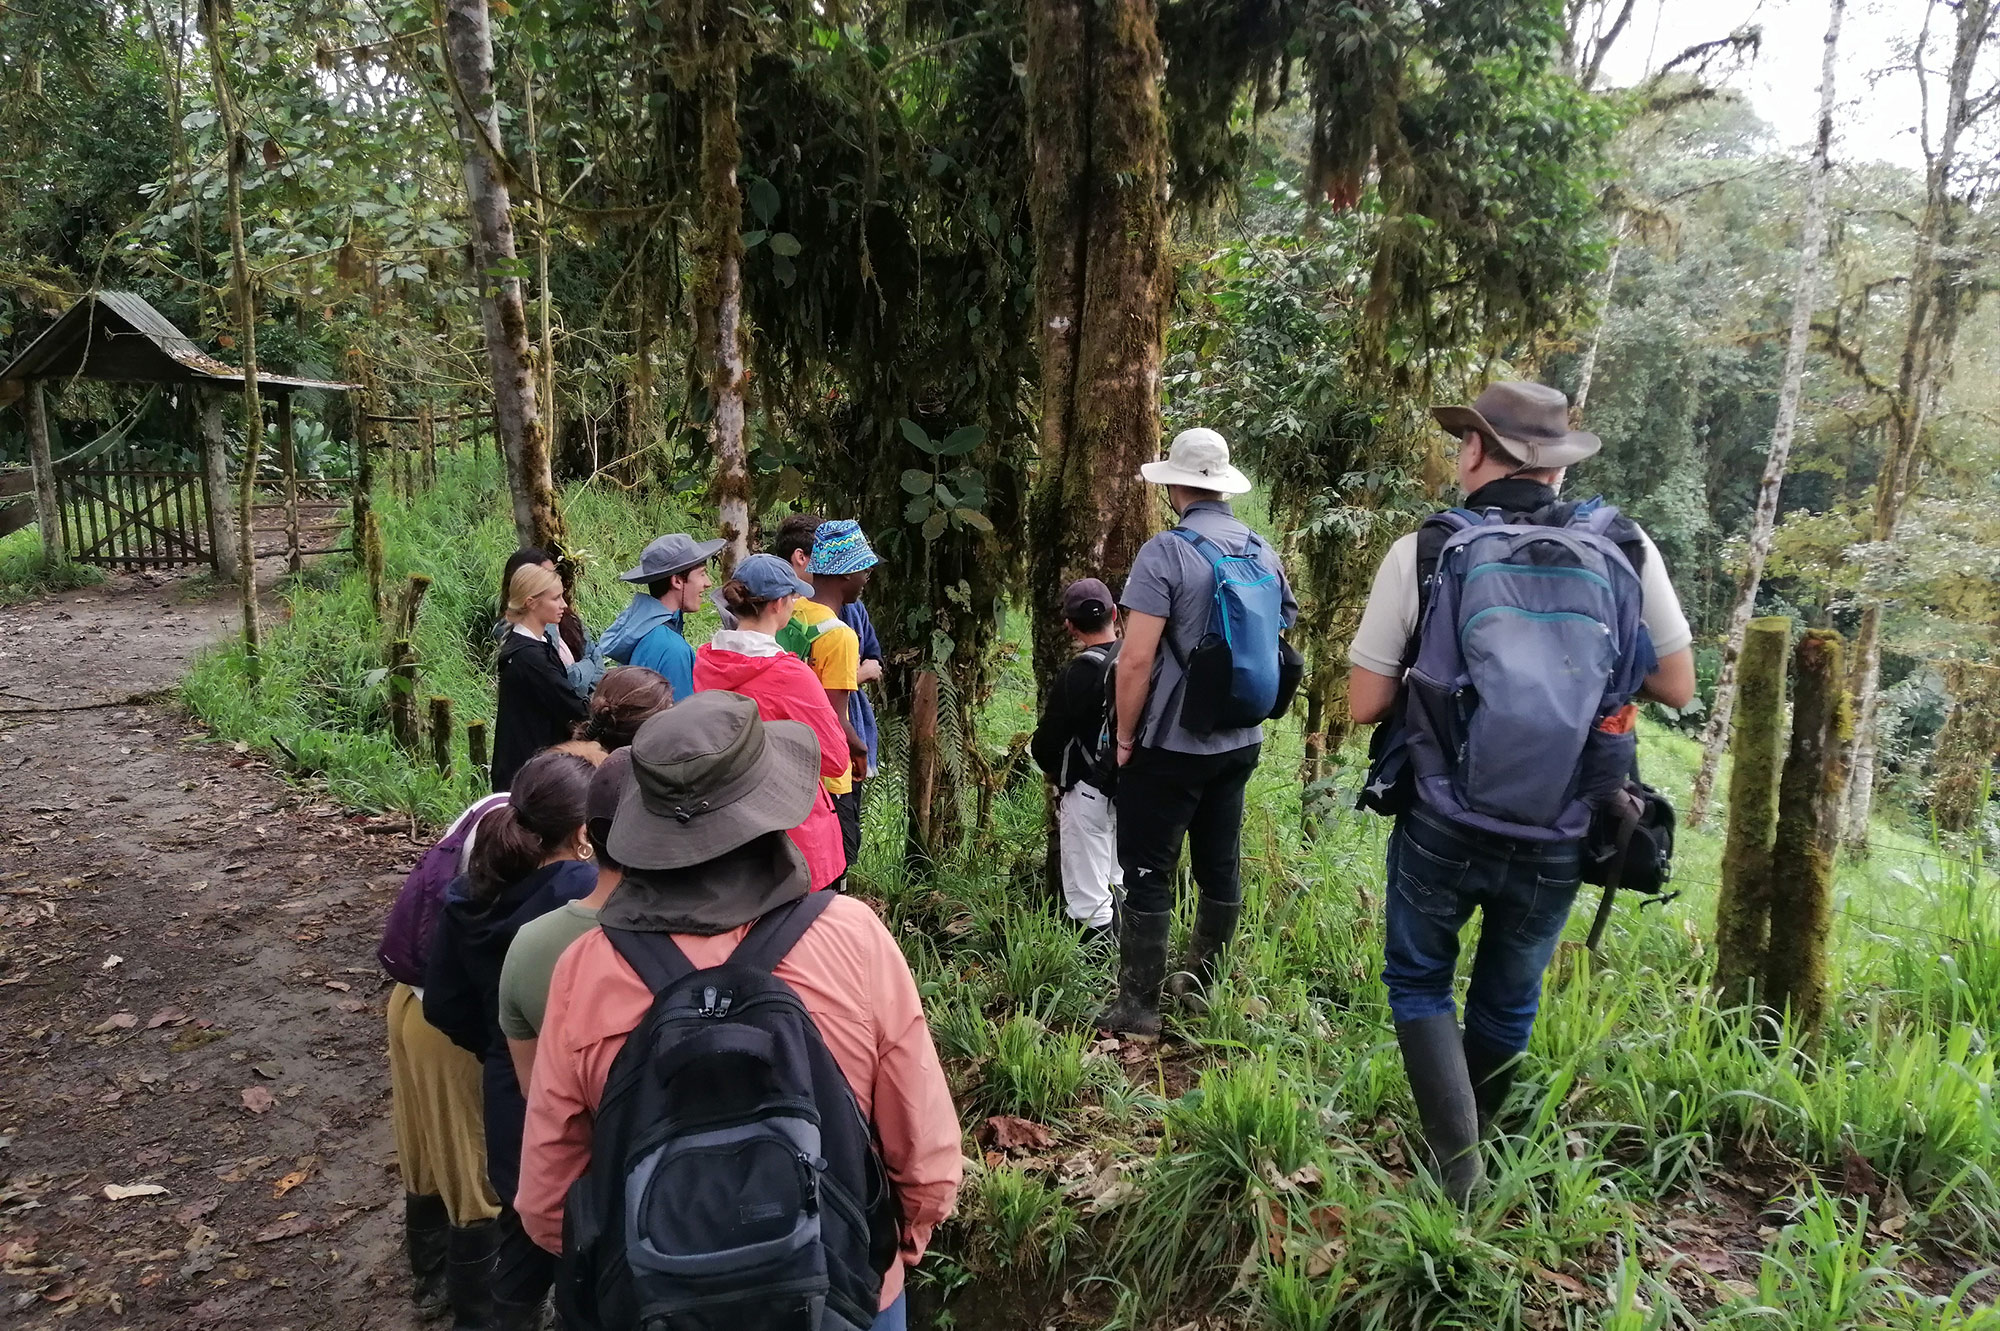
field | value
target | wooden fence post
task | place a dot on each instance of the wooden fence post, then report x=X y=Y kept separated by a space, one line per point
x=475 y=746
x=48 y=510
x=1756 y=740
x=427 y=440
x=215 y=498
x=1966 y=745
x=367 y=539
x=411 y=602
x=1809 y=808
x=922 y=843
x=403 y=695
x=289 y=460
x=372 y=560
x=440 y=735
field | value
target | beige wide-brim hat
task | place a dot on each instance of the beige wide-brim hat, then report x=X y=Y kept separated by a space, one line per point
x=1528 y=422
x=1198 y=459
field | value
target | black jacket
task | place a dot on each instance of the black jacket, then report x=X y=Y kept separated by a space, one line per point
x=537 y=704
x=1066 y=735
x=462 y=993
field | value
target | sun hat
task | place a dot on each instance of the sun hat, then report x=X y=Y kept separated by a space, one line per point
x=1527 y=422
x=709 y=776
x=768 y=577
x=839 y=547
x=668 y=555
x=1198 y=459
x=1086 y=598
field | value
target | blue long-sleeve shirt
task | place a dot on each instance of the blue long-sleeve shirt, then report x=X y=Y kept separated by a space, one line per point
x=647 y=634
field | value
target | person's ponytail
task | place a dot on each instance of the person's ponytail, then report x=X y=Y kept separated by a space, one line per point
x=544 y=808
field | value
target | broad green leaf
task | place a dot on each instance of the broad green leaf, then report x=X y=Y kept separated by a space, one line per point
x=915 y=434
x=752 y=239
x=934 y=526
x=764 y=200
x=974 y=519
x=945 y=498
x=786 y=243
x=917 y=509
x=962 y=441
x=916 y=480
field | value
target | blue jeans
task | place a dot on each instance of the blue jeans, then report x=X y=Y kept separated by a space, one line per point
x=1437 y=875
x=895 y=1317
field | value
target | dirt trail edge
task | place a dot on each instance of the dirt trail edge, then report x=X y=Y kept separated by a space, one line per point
x=194 y=1123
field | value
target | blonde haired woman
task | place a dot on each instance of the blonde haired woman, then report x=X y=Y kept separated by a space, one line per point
x=537 y=705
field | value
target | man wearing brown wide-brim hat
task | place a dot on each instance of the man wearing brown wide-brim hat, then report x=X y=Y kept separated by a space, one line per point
x=1514 y=444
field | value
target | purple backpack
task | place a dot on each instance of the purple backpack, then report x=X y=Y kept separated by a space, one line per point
x=406 y=940
x=1531 y=643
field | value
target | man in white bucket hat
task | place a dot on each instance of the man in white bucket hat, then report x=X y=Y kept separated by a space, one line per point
x=1176 y=781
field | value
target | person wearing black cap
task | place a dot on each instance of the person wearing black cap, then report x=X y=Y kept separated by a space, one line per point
x=650 y=632
x=1516 y=862
x=1066 y=746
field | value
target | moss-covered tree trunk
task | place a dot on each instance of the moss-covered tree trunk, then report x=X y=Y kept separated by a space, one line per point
x=1809 y=805
x=468 y=43
x=718 y=285
x=243 y=308
x=1743 y=905
x=1966 y=746
x=1098 y=197
x=1764 y=520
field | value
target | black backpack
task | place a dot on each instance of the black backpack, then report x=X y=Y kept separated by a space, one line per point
x=734 y=1184
x=1092 y=753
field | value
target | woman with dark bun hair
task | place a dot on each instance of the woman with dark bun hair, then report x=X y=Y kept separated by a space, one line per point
x=529 y=856
x=628 y=697
x=574 y=644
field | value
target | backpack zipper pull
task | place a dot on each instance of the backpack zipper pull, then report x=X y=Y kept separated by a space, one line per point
x=708 y=1001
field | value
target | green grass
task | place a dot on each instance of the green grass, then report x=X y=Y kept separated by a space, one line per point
x=1257 y=1169
x=25 y=574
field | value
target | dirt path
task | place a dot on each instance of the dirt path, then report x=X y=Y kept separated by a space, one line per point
x=189 y=1001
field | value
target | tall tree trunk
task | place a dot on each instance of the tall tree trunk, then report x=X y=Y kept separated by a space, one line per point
x=718 y=289
x=543 y=298
x=1588 y=373
x=215 y=481
x=244 y=303
x=48 y=509
x=1936 y=298
x=468 y=41
x=1743 y=903
x=1098 y=195
x=1764 y=520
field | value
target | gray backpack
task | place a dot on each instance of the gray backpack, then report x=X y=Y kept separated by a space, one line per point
x=1529 y=650
x=733 y=1184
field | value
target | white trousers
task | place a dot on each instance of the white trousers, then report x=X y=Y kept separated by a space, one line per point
x=1089 y=827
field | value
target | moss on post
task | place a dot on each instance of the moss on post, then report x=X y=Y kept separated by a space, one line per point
x=1743 y=905
x=1810 y=796
x=1967 y=744
x=475 y=746
x=440 y=736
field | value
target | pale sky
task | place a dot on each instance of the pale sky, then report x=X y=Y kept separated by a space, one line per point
x=1878 y=102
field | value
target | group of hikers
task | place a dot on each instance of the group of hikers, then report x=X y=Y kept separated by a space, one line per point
x=650 y=1055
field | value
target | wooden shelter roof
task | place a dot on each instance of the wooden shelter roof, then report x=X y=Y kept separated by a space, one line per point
x=119 y=337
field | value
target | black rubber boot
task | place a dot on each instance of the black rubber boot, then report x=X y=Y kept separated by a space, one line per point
x=509 y=1316
x=425 y=1223
x=1491 y=1069
x=469 y=1274
x=1214 y=926
x=1142 y=964
x=1434 y=1057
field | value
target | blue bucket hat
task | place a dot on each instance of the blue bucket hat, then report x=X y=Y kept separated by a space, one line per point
x=839 y=547
x=768 y=577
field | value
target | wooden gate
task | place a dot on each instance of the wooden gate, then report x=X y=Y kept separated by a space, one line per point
x=120 y=511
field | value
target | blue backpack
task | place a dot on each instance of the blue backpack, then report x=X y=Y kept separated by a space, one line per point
x=1529 y=649
x=1242 y=672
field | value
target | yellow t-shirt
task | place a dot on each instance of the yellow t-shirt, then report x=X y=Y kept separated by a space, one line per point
x=833 y=650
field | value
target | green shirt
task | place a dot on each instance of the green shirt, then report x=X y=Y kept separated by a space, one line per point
x=531 y=963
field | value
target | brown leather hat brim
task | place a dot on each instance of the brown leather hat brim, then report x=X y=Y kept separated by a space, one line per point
x=1570 y=449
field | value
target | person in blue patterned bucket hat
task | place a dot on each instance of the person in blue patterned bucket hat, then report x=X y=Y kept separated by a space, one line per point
x=839 y=548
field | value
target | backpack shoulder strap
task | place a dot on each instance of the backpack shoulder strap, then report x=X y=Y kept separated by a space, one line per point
x=1206 y=548
x=656 y=957
x=1436 y=531
x=773 y=936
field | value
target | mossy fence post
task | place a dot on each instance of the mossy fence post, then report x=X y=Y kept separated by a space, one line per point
x=1756 y=740
x=1967 y=744
x=1809 y=809
x=475 y=747
x=403 y=696
x=440 y=736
